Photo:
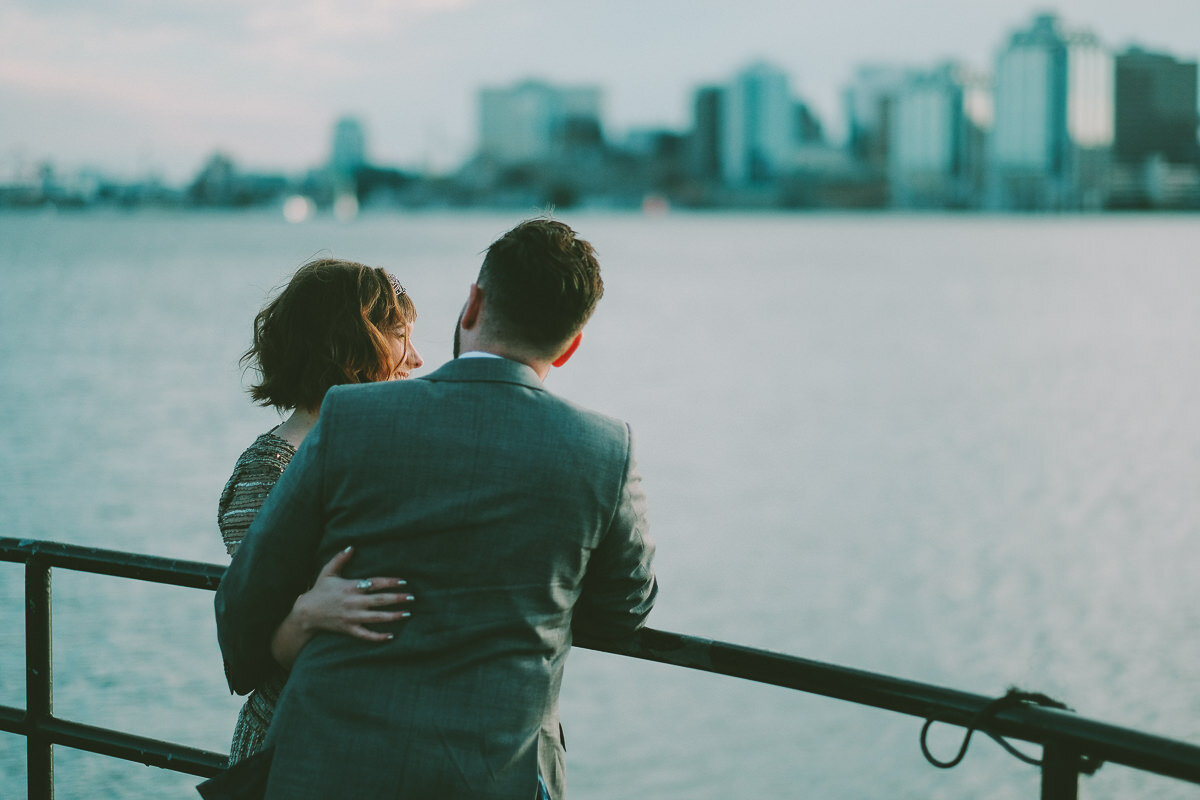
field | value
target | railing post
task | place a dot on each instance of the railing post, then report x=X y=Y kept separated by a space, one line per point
x=1060 y=772
x=39 y=687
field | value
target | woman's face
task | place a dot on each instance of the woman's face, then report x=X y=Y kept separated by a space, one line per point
x=404 y=354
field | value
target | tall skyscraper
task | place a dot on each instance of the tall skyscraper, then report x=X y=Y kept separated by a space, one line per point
x=936 y=130
x=706 y=133
x=1155 y=149
x=868 y=112
x=1054 y=119
x=1155 y=108
x=758 y=135
x=349 y=150
x=533 y=121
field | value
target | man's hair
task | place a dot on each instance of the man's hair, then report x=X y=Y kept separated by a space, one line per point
x=541 y=283
x=330 y=325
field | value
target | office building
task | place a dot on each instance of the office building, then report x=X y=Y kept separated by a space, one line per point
x=1156 y=155
x=936 y=127
x=348 y=152
x=868 y=103
x=758 y=140
x=807 y=128
x=1155 y=109
x=535 y=122
x=1053 y=132
x=705 y=142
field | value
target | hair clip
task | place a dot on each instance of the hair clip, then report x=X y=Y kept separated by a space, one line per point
x=399 y=290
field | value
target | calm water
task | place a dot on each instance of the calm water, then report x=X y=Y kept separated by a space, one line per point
x=959 y=450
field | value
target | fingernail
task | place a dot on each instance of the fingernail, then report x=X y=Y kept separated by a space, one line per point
x=408 y=597
x=348 y=548
x=405 y=614
x=401 y=582
x=391 y=636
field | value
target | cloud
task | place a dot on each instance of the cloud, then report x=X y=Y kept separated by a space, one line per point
x=154 y=66
x=264 y=78
x=230 y=47
x=341 y=21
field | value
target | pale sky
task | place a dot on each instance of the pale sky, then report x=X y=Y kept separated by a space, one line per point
x=139 y=85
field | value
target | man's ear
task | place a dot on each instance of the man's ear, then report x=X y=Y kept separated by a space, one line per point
x=470 y=314
x=570 y=351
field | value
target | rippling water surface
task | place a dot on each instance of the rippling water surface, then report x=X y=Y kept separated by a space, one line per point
x=960 y=450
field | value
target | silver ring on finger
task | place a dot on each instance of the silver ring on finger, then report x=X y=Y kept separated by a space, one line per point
x=363 y=585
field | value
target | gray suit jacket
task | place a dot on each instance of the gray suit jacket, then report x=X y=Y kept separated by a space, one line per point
x=515 y=516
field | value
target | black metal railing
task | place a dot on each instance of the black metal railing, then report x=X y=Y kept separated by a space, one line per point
x=1071 y=744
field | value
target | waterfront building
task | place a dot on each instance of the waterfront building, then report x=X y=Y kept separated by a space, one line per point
x=868 y=103
x=1052 y=138
x=534 y=122
x=653 y=164
x=937 y=122
x=1156 y=155
x=1155 y=108
x=220 y=184
x=758 y=130
x=348 y=153
x=807 y=127
x=215 y=184
x=705 y=142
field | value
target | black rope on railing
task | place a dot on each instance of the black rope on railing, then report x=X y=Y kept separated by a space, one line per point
x=1010 y=699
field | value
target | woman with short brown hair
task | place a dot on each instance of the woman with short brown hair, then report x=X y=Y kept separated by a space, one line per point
x=336 y=322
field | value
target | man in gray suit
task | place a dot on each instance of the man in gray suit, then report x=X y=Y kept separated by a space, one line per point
x=516 y=517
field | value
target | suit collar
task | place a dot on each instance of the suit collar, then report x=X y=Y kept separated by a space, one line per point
x=486 y=370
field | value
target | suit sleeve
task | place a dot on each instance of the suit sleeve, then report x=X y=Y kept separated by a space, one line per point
x=619 y=587
x=274 y=565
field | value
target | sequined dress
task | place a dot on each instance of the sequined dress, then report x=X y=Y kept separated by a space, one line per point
x=256 y=471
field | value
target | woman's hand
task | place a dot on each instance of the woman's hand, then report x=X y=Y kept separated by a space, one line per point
x=339 y=605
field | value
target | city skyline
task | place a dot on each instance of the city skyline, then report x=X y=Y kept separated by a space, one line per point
x=263 y=81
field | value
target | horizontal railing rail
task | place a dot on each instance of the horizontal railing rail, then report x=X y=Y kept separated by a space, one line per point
x=1071 y=744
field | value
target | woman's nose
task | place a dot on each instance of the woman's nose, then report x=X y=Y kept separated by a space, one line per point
x=414 y=358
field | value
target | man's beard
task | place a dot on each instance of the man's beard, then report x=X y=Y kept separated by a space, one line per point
x=457 y=328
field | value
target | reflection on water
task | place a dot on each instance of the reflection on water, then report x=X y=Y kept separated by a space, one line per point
x=963 y=451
